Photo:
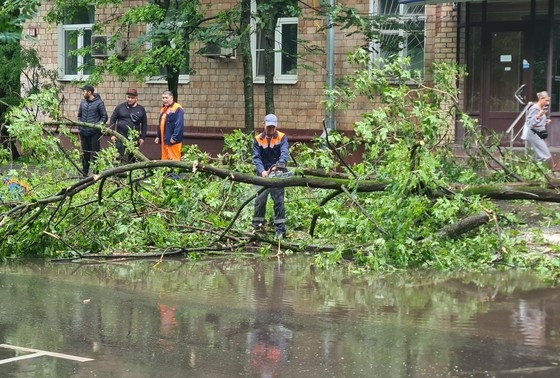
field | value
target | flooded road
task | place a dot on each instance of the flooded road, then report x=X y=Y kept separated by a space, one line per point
x=256 y=318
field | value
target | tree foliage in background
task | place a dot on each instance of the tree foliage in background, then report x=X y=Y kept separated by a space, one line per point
x=169 y=30
x=13 y=61
x=13 y=13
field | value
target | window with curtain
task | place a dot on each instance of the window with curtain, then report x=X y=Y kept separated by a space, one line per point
x=74 y=35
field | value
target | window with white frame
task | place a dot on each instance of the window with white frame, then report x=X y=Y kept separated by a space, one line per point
x=285 y=52
x=162 y=77
x=402 y=31
x=74 y=35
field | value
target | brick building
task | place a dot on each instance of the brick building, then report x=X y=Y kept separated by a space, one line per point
x=503 y=43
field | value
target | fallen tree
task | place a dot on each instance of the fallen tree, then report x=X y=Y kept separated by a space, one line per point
x=408 y=204
x=107 y=182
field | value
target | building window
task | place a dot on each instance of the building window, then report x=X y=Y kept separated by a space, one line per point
x=75 y=36
x=401 y=31
x=162 y=77
x=285 y=52
x=184 y=76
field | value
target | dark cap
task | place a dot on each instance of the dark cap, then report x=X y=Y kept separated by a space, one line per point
x=132 y=92
x=88 y=88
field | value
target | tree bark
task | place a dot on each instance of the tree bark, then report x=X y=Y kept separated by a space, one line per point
x=515 y=191
x=246 y=57
x=463 y=226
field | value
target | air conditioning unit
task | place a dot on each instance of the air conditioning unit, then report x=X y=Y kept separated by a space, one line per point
x=216 y=51
x=102 y=47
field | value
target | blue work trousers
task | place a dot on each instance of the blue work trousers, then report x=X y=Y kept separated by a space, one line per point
x=259 y=219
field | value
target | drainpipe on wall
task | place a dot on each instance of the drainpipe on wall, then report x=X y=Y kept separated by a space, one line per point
x=329 y=120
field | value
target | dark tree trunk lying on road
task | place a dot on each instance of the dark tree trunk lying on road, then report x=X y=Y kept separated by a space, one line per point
x=463 y=226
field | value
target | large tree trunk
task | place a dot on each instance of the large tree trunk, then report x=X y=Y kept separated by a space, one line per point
x=247 y=59
x=268 y=31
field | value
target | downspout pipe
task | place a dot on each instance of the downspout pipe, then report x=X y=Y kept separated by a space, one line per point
x=329 y=118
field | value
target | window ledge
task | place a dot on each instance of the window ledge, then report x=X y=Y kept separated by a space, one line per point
x=156 y=80
x=68 y=79
x=277 y=81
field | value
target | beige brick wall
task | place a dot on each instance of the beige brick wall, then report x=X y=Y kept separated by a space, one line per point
x=213 y=98
x=441 y=42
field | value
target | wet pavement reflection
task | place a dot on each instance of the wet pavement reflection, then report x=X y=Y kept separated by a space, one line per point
x=260 y=318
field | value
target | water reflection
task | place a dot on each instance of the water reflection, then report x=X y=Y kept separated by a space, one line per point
x=224 y=318
x=168 y=326
x=531 y=322
x=268 y=338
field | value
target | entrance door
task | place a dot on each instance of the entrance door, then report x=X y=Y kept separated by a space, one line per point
x=507 y=45
x=507 y=67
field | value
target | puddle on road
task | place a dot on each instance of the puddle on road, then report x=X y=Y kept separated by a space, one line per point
x=224 y=318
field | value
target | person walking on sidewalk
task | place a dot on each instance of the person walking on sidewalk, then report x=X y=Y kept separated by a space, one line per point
x=270 y=153
x=535 y=129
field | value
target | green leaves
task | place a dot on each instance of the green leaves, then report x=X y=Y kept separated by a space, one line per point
x=13 y=13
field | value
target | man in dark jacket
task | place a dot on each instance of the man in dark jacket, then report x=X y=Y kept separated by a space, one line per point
x=92 y=110
x=128 y=116
x=270 y=154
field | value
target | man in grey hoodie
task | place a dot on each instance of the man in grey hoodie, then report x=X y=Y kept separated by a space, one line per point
x=92 y=110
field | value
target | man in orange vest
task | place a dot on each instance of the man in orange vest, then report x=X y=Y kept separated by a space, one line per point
x=270 y=155
x=170 y=130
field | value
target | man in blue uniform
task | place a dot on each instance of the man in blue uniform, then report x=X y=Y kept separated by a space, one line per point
x=270 y=154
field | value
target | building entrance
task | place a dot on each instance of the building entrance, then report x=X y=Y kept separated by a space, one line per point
x=508 y=45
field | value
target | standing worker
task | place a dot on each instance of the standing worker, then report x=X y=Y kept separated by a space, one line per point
x=270 y=154
x=91 y=110
x=535 y=130
x=128 y=116
x=170 y=130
